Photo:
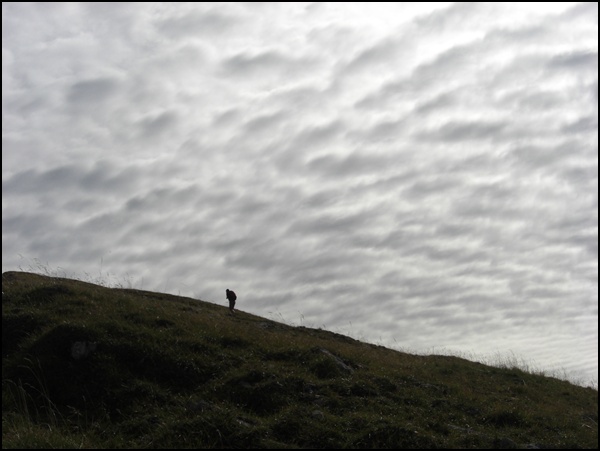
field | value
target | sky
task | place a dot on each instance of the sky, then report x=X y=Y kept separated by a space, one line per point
x=422 y=176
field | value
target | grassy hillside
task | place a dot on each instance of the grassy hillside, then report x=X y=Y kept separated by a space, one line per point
x=95 y=367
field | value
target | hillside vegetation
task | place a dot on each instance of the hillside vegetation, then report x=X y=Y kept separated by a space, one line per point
x=94 y=367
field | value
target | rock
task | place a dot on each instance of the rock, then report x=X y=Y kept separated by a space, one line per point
x=339 y=362
x=318 y=414
x=82 y=349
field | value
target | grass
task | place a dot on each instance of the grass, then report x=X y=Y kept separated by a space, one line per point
x=175 y=372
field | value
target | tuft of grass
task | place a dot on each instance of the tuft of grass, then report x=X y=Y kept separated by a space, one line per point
x=164 y=371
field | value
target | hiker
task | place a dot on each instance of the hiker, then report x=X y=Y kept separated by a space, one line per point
x=231 y=297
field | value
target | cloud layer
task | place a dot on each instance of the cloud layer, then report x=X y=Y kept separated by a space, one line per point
x=423 y=176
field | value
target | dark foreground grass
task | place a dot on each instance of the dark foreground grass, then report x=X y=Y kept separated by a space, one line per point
x=93 y=367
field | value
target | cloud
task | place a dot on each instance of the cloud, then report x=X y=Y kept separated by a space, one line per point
x=266 y=66
x=417 y=175
x=465 y=131
x=92 y=91
x=101 y=177
x=575 y=60
x=383 y=53
x=199 y=23
x=352 y=165
x=158 y=124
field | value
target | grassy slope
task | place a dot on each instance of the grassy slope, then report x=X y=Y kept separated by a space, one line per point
x=173 y=372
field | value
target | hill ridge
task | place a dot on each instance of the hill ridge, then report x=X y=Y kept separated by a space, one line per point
x=90 y=366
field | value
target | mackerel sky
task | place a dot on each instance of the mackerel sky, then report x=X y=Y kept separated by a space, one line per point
x=422 y=176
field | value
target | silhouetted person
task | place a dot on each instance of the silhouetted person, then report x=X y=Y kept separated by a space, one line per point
x=231 y=297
